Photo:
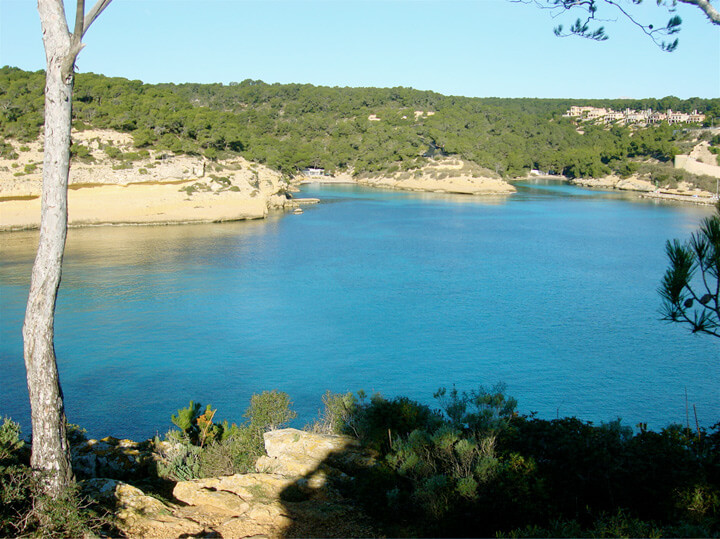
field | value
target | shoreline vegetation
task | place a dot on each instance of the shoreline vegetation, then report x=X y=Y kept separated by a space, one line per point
x=167 y=153
x=375 y=467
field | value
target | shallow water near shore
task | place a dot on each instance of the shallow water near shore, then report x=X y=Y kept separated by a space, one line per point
x=551 y=290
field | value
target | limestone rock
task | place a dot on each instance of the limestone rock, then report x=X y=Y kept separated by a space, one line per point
x=296 y=453
x=112 y=458
x=301 y=501
x=635 y=184
x=140 y=515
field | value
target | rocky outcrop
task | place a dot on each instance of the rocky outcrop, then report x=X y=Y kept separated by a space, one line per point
x=684 y=192
x=113 y=458
x=633 y=183
x=300 y=497
x=446 y=175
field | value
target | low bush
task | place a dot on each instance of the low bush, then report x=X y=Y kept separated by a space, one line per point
x=7 y=151
x=474 y=467
x=203 y=448
x=82 y=152
x=25 y=510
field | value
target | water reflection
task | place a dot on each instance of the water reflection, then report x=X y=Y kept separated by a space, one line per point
x=130 y=246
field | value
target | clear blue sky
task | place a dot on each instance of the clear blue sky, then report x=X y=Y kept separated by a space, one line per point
x=469 y=47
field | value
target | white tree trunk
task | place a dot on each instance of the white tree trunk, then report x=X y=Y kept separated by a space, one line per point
x=50 y=449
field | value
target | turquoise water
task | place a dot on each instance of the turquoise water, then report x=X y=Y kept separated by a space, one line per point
x=551 y=290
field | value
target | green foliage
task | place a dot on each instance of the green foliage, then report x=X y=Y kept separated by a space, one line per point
x=337 y=416
x=143 y=138
x=7 y=151
x=79 y=151
x=112 y=152
x=478 y=410
x=24 y=508
x=269 y=410
x=689 y=288
x=476 y=468
x=179 y=460
x=10 y=442
x=186 y=420
x=204 y=448
x=293 y=126
x=380 y=421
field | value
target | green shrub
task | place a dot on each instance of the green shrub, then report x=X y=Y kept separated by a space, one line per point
x=179 y=459
x=203 y=448
x=186 y=421
x=235 y=453
x=135 y=156
x=80 y=151
x=223 y=180
x=10 y=442
x=268 y=411
x=337 y=415
x=25 y=510
x=30 y=168
x=7 y=151
x=478 y=410
x=380 y=421
x=112 y=152
x=143 y=138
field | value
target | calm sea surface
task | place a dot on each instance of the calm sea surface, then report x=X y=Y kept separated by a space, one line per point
x=551 y=290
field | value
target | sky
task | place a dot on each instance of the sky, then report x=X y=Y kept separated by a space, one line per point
x=475 y=48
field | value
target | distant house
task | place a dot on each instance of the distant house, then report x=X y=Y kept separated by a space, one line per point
x=629 y=116
x=313 y=171
x=696 y=117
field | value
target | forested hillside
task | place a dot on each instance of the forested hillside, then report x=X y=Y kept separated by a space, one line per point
x=292 y=126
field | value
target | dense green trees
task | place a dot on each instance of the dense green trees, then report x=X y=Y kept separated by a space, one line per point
x=292 y=126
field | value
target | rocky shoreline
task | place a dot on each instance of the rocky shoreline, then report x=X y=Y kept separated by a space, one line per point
x=160 y=188
x=447 y=175
x=684 y=192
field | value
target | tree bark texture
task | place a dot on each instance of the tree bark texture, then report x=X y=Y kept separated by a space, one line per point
x=50 y=448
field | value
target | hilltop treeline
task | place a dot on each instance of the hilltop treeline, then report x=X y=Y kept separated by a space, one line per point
x=293 y=126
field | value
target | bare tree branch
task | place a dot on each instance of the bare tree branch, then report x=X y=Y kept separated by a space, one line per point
x=79 y=16
x=68 y=65
x=712 y=13
x=94 y=12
